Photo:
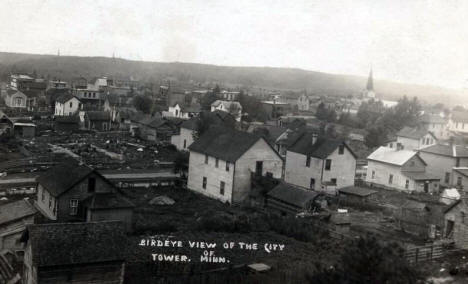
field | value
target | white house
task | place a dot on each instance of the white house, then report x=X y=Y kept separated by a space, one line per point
x=413 y=138
x=458 y=122
x=184 y=111
x=16 y=99
x=320 y=164
x=303 y=103
x=232 y=107
x=441 y=159
x=67 y=104
x=401 y=170
x=437 y=125
x=223 y=162
x=185 y=138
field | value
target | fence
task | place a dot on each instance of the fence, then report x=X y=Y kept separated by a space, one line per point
x=424 y=253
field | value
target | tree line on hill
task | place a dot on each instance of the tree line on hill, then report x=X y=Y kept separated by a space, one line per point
x=379 y=121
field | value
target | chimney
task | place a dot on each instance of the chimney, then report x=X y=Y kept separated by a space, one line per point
x=314 y=138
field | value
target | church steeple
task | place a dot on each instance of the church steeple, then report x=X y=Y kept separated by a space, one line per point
x=370 y=82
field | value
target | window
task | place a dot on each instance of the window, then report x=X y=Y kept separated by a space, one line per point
x=391 y=145
x=221 y=187
x=227 y=166
x=341 y=150
x=216 y=162
x=185 y=143
x=50 y=202
x=407 y=184
x=73 y=206
x=447 y=177
x=94 y=95
x=328 y=164
x=71 y=104
x=206 y=159
x=373 y=174
x=412 y=164
x=91 y=184
x=204 y=183
x=459 y=181
x=308 y=161
x=390 y=179
x=312 y=183
x=333 y=181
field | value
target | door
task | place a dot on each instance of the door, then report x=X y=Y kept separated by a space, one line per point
x=312 y=184
x=259 y=168
x=426 y=186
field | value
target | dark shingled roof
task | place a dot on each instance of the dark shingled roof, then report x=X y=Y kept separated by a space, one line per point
x=413 y=132
x=16 y=210
x=98 y=115
x=322 y=148
x=72 y=119
x=64 y=98
x=61 y=177
x=225 y=144
x=447 y=150
x=76 y=243
x=191 y=124
x=109 y=200
x=292 y=195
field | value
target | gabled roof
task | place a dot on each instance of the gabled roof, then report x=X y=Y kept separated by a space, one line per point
x=225 y=144
x=11 y=92
x=227 y=104
x=413 y=132
x=98 y=115
x=446 y=150
x=454 y=204
x=391 y=156
x=321 y=149
x=32 y=93
x=16 y=210
x=72 y=119
x=108 y=200
x=292 y=195
x=64 y=98
x=76 y=243
x=191 y=123
x=62 y=177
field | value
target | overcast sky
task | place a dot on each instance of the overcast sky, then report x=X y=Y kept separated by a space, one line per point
x=413 y=41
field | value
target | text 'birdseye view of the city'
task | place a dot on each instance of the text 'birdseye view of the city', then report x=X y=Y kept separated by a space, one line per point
x=119 y=163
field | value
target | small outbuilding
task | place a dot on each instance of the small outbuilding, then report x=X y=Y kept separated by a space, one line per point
x=289 y=199
x=456 y=223
x=355 y=194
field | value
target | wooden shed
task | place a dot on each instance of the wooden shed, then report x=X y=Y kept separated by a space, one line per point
x=290 y=199
x=355 y=194
x=456 y=223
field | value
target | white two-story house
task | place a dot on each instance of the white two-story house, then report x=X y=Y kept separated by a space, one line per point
x=223 y=161
x=441 y=159
x=413 y=138
x=66 y=105
x=320 y=164
x=404 y=170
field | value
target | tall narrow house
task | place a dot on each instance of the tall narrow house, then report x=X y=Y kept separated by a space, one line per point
x=223 y=162
x=320 y=163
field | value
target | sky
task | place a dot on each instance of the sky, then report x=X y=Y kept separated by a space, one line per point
x=415 y=41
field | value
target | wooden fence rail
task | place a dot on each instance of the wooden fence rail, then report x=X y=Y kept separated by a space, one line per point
x=424 y=253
